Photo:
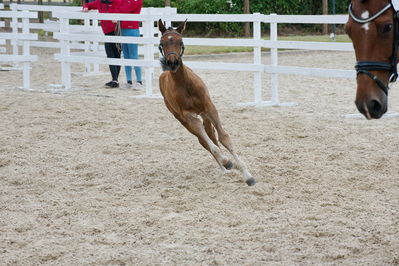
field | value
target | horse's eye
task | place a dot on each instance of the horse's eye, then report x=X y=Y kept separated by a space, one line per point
x=387 y=28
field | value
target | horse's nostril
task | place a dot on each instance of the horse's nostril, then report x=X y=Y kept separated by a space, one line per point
x=375 y=108
x=374 y=105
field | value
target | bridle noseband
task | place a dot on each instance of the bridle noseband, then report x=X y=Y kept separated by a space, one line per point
x=161 y=50
x=364 y=67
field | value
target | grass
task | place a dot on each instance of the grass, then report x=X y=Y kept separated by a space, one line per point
x=190 y=50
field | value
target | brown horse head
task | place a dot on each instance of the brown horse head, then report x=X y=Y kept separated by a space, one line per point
x=171 y=46
x=373 y=28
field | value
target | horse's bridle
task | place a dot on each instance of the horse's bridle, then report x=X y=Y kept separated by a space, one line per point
x=364 y=67
x=161 y=50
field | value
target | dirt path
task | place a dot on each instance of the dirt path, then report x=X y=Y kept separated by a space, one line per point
x=96 y=177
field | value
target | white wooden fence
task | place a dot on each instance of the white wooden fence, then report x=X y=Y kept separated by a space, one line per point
x=90 y=27
x=88 y=36
x=257 y=43
x=25 y=37
x=2 y=42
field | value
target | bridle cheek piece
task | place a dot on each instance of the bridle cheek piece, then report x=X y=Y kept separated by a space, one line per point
x=163 y=54
x=364 y=67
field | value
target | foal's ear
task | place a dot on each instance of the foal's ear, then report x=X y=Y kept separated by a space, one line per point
x=182 y=27
x=161 y=26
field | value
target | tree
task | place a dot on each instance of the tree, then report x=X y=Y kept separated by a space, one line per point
x=246 y=25
x=325 y=12
x=40 y=14
x=167 y=2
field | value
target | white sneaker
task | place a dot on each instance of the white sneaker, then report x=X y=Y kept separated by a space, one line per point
x=129 y=86
x=139 y=86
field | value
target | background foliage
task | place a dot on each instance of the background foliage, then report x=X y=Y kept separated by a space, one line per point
x=283 y=7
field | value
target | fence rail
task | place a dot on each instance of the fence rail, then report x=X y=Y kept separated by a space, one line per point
x=24 y=37
x=257 y=43
x=90 y=27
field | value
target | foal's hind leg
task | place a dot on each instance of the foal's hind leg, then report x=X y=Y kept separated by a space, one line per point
x=195 y=126
x=224 y=138
x=210 y=130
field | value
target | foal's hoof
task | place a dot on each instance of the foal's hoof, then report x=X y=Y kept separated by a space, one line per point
x=250 y=181
x=228 y=165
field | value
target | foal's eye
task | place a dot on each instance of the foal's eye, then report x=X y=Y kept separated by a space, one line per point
x=387 y=28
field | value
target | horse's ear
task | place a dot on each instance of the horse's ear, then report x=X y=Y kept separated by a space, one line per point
x=161 y=26
x=182 y=27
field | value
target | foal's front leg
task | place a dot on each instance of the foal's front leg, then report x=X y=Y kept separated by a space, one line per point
x=224 y=138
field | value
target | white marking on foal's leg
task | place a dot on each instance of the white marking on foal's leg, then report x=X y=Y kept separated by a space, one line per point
x=365 y=15
x=226 y=141
x=241 y=165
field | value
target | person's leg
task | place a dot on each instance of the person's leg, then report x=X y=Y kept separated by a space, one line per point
x=113 y=52
x=131 y=53
x=135 y=48
x=127 y=55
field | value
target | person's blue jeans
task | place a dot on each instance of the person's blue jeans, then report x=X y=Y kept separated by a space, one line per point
x=131 y=51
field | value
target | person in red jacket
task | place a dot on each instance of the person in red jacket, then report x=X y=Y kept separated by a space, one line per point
x=108 y=27
x=131 y=28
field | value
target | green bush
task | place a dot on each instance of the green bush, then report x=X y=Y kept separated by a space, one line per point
x=282 y=7
x=153 y=3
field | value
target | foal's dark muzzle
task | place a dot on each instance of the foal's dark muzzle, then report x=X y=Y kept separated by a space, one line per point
x=173 y=63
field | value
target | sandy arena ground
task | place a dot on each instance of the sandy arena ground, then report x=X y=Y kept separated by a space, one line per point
x=94 y=177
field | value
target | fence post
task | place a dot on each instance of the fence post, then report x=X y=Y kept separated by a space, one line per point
x=65 y=51
x=274 y=59
x=168 y=11
x=149 y=53
x=257 y=60
x=96 y=67
x=26 y=51
x=87 y=44
x=14 y=26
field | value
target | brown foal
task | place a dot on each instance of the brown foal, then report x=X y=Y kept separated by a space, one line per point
x=187 y=98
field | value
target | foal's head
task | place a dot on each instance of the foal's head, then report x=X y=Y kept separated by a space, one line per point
x=372 y=27
x=171 y=46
